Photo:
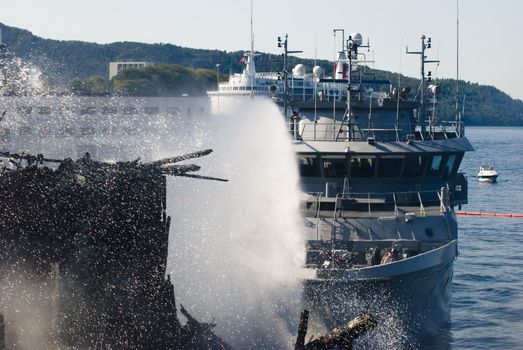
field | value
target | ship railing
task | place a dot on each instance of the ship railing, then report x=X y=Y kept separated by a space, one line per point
x=378 y=204
x=307 y=130
x=444 y=130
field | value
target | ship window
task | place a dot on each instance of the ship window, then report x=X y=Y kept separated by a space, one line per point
x=457 y=163
x=435 y=166
x=109 y=110
x=414 y=166
x=362 y=166
x=334 y=166
x=449 y=165
x=130 y=110
x=390 y=166
x=44 y=110
x=174 y=111
x=87 y=110
x=308 y=165
x=151 y=110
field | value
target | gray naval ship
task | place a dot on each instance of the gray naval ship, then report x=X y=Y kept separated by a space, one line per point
x=380 y=181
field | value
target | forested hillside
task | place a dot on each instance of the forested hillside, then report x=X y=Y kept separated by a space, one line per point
x=83 y=67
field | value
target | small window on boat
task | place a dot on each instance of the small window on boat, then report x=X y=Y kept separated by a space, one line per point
x=449 y=164
x=308 y=165
x=87 y=110
x=362 y=166
x=151 y=110
x=130 y=110
x=334 y=166
x=435 y=166
x=44 y=110
x=109 y=110
x=414 y=166
x=390 y=166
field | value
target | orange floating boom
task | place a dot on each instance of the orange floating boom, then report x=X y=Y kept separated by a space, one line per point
x=476 y=213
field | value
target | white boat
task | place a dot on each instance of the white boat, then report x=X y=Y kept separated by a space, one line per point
x=487 y=173
x=248 y=83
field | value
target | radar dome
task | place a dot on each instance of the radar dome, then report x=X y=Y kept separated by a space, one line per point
x=434 y=89
x=317 y=71
x=299 y=70
x=356 y=37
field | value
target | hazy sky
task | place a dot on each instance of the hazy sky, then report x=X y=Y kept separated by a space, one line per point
x=491 y=32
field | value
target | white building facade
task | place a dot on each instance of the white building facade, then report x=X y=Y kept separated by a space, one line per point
x=117 y=67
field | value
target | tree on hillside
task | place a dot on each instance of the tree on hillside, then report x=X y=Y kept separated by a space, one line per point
x=164 y=80
x=94 y=86
x=62 y=60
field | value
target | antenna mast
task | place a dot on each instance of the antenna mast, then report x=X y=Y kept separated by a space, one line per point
x=422 y=112
x=252 y=33
x=286 y=51
x=458 y=112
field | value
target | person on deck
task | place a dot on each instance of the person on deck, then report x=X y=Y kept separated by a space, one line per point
x=390 y=256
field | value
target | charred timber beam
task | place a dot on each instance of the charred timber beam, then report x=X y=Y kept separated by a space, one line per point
x=163 y=166
x=2 y=332
x=340 y=338
x=179 y=169
x=177 y=159
x=39 y=158
x=202 y=177
x=302 y=330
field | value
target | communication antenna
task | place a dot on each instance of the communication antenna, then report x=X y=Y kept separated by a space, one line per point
x=397 y=122
x=336 y=66
x=458 y=112
x=424 y=46
x=252 y=52
x=284 y=44
x=252 y=33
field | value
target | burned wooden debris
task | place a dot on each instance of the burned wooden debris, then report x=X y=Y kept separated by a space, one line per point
x=96 y=235
x=2 y=332
x=339 y=338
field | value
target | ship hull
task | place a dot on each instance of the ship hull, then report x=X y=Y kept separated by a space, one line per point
x=492 y=178
x=411 y=298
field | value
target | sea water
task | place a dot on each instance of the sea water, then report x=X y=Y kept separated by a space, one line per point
x=487 y=300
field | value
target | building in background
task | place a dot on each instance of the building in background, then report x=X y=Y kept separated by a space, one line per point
x=117 y=67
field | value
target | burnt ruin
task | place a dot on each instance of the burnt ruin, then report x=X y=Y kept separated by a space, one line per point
x=84 y=254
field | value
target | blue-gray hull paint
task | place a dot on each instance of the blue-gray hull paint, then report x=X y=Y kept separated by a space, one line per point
x=419 y=301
